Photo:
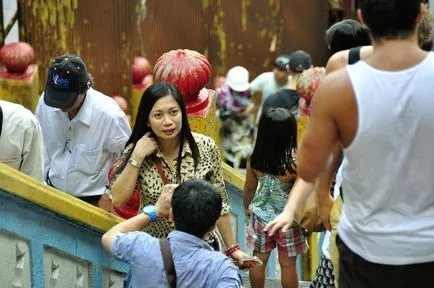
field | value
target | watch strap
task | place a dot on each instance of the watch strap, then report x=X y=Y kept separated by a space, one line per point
x=152 y=214
x=134 y=163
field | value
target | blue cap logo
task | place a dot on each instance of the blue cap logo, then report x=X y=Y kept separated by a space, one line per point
x=60 y=82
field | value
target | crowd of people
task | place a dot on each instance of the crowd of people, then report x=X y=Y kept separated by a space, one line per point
x=365 y=153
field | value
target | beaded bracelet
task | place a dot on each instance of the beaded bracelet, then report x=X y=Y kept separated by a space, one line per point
x=232 y=249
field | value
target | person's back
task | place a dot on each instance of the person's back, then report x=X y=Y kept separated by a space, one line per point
x=21 y=143
x=196 y=263
x=394 y=199
x=380 y=110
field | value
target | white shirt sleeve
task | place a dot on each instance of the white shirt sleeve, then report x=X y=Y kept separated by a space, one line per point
x=119 y=135
x=33 y=152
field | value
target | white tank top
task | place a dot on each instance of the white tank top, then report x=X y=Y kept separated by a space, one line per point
x=388 y=175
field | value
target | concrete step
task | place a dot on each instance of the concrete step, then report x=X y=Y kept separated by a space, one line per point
x=273 y=283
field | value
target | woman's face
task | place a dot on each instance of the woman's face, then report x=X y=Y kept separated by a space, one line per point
x=165 y=118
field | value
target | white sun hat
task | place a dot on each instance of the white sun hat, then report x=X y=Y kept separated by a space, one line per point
x=238 y=79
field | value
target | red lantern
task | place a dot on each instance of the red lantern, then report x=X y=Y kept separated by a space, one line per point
x=140 y=69
x=16 y=57
x=186 y=69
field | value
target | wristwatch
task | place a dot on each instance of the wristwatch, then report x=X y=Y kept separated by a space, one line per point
x=134 y=163
x=150 y=211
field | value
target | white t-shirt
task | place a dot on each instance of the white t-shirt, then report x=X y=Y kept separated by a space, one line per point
x=267 y=85
x=79 y=152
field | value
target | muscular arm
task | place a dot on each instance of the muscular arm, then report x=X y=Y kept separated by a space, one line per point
x=337 y=61
x=324 y=183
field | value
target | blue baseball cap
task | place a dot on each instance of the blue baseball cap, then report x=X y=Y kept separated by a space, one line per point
x=67 y=77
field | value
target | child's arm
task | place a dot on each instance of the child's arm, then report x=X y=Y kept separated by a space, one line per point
x=249 y=187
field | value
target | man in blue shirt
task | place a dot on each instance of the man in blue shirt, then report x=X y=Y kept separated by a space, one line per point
x=194 y=206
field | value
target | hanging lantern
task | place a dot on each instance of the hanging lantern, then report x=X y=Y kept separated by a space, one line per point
x=186 y=69
x=140 y=69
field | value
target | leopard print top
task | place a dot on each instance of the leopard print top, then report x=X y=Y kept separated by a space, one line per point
x=209 y=169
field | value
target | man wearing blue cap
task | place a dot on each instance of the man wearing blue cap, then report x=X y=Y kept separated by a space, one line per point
x=84 y=130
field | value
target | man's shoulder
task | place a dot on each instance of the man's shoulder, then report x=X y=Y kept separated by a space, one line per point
x=261 y=79
x=338 y=79
x=337 y=61
x=139 y=240
x=264 y=76
x=18 y=115
x=104 y=105
x=340 y=59
x=335 y=90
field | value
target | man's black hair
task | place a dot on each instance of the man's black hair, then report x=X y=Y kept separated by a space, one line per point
x=196 y=206
x=347 y=34
x=390 y=19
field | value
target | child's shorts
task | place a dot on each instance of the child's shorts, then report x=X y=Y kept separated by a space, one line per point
x=291 y=243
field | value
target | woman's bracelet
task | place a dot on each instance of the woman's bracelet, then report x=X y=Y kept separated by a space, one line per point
x=232 y=249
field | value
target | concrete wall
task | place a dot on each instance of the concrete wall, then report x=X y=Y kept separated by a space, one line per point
x=50 y=239
x=39 y=248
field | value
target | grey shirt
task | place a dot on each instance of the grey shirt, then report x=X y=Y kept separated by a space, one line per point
x=196 y=263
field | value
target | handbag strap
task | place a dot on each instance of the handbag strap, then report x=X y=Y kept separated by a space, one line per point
x=161 y=172
x=169 y=266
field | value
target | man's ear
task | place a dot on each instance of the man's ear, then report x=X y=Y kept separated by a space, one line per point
x=361 y=19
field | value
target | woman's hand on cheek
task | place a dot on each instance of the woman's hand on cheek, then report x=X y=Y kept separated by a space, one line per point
x=144 y=147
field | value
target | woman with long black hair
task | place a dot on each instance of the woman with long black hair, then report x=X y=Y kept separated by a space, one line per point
x=162 y=149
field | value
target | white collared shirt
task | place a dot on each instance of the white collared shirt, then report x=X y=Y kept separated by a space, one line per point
x=79 y=152
x=21 y=144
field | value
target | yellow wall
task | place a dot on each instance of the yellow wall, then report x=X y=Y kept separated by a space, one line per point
x=24 y=92
x=62 y=203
